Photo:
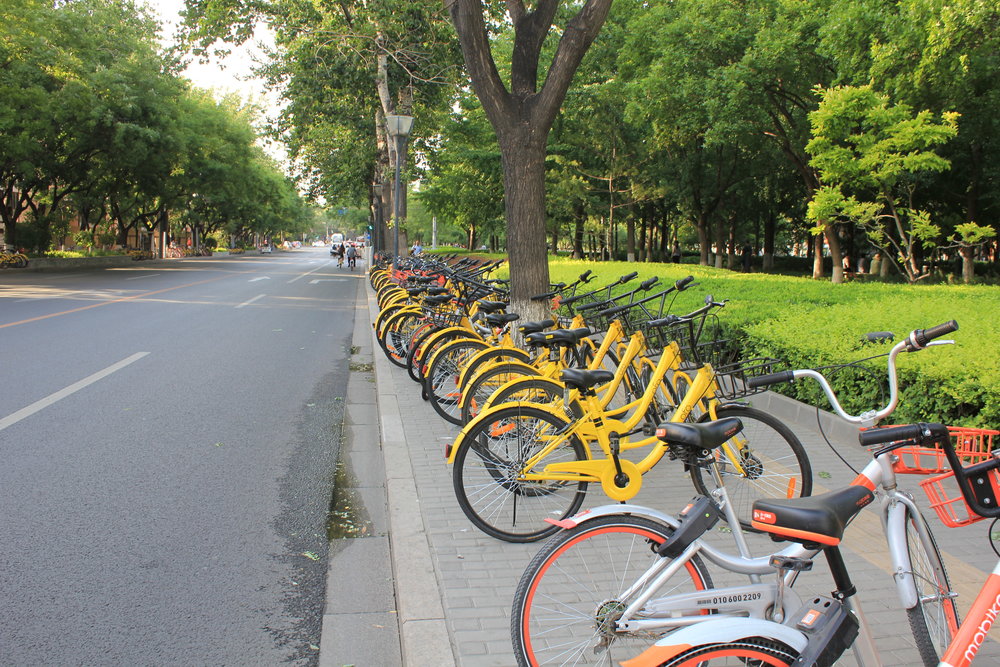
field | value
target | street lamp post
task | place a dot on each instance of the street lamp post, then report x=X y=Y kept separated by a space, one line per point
x=399 y=129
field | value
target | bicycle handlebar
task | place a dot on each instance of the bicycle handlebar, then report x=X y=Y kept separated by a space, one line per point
x=920 y=338
x=917 y=340
x=984 y=503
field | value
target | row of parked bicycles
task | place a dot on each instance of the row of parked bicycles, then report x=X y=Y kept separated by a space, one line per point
x=600 y=392
x=13 y=259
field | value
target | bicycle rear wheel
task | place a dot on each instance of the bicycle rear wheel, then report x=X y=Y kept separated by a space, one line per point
x=572 y=593
x=488 y=469
x=774 y=462
x=934 y=620
x=755 y=651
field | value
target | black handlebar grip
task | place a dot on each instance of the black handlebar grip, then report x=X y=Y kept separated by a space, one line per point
x=664 y=321
x=769 y=379
x=585 y=277
x=611 y=312
x=627 y=277
x=878 y=436
x=924 y=336
x=646 y=284
x=681 y=284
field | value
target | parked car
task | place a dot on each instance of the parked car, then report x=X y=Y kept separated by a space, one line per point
x=266 y=248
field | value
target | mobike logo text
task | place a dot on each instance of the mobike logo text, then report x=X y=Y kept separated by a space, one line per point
x=983 y=629
x=764 y=517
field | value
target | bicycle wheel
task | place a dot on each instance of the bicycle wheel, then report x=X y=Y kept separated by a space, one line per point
x=478 y=391
x=414 y=350
x=572 y=592
x=752 y=651
x=487 y=474
x=775 y=464
x=424 y=351
x=489 y=357
x=441 y=378
x=934 y=620
x=397 y=333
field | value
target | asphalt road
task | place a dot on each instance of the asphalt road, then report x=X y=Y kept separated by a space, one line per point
x=169 y=433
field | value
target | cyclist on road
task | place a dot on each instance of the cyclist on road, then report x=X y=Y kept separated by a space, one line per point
x=340 y=255
x=352 y=257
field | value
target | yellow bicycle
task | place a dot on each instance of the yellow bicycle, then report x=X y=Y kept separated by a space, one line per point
x=519 y=467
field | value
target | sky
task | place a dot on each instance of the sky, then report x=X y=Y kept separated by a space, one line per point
x=230 y=75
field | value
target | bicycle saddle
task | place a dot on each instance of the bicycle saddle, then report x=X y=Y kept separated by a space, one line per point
x=703 y=435
x=814 y=519
x=500 y=319
x=437 y=300
x=535 y=327
x=491 y=306
x=558 y=337
x=583 y=379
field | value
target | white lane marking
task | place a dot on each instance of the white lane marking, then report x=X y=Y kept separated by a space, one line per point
x=249 y=301
x=148 y=275
x=325 y=280
x=303 y=275
x=10 y=420
x=253 y=280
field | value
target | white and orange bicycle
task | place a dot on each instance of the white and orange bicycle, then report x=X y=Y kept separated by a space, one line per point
x=626 y=584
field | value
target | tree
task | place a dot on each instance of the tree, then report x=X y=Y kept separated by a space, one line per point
x=870 y=155
x=522 y=116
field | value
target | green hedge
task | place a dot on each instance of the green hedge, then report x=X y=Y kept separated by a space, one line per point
x=813 y=323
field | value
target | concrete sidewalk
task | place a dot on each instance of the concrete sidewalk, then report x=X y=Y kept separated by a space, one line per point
x=425 y=576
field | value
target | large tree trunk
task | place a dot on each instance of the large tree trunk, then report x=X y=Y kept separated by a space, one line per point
x=524 y=187
x=522 y=117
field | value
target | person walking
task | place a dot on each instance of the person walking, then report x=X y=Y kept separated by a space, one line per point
x=340 y=256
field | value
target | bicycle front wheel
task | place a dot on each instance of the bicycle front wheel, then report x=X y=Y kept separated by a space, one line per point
x=574 y=591
x=488 y=474
x=443 y=371
x=934 y=619
x=773 y=461
x=757 y=651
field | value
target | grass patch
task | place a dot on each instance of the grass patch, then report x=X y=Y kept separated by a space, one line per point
x=815 y=323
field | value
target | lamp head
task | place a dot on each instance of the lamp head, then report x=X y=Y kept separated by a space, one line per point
x=399 y=126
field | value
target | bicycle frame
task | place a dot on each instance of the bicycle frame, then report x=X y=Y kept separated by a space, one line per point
x=878 y=475
x=597 y=424
x=747 y=604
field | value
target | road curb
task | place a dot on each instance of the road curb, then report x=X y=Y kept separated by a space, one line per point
x=423 y=631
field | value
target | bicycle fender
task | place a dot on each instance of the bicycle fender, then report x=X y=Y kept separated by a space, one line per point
x=469 y=336
x=433 y=338
x=501 y=352
x=617 y=508
x=556 y=384
x=515 y=364
x=723 y=630
x=902 y=570
x=461 y=441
